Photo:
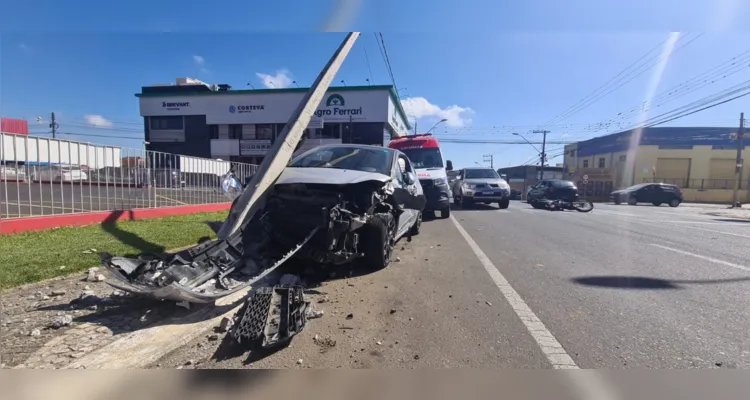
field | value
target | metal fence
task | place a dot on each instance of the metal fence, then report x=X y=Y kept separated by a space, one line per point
x=701 y=184
x=40 y=176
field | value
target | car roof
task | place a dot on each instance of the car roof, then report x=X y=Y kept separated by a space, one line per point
x=480 y=168
x=359 y=146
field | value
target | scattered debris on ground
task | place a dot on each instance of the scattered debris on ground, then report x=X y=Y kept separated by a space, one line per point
x=61 y=321
x=226 y=324
x=271 y=316
x=325 y=342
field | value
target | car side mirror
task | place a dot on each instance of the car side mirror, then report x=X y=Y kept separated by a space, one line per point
x=410 y=178
x=449 y=165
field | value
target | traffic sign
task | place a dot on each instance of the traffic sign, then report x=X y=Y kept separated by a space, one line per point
x=585 y=177
x=585 y=181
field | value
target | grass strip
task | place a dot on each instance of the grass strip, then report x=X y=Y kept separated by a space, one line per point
x=30 y=257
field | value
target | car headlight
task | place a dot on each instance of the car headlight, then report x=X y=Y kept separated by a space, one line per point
x=469 y=186
x=440 y=181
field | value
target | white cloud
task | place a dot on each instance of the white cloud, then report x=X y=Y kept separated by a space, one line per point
x=419 y=107
x=200 y=62
x=282 y=79
x=97 y=121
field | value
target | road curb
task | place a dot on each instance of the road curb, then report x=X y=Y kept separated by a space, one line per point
x=142 y=348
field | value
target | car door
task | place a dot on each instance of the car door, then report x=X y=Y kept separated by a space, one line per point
x=456 y=188
x=646 y=194
x=537 y=191
x=408 y=195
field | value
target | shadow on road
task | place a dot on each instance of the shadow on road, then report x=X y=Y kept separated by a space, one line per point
x=646 y=283
x=142 y=245
x=741 y=221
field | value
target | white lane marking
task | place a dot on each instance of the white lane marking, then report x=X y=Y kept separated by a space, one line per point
x=711 y=259
x=662 y=223
x=552 y=349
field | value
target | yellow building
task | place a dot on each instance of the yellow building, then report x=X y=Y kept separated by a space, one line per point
x=701 y=161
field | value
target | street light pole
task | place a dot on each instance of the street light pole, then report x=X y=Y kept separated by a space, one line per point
x=543 y=156
x=436 y=124
x=738 y=166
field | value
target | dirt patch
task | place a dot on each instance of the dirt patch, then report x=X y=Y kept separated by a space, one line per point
x=51 y=323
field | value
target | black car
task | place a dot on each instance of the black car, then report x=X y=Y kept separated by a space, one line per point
x=552 y=189
x=654 y=193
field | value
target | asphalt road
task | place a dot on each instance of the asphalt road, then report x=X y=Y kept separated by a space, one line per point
x=620 y=287
x=34 y=198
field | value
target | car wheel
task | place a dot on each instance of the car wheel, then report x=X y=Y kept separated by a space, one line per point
x=464 y=202
x=379 y=240
x=618 y=201
x=632 y=201
x=445 y=212
x=656 y=203
x=417 y=227
x=674 y=202
x=504 y=203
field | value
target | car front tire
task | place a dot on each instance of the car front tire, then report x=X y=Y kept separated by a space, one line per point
x=417 y=227
x=503 y=204
x=445 y=212
x=379 y=241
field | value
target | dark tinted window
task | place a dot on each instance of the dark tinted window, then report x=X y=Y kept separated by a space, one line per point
x=563 y=184
x=481 y=174
x=424 y=158
x=166 y=123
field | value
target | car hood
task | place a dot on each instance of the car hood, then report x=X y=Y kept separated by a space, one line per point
x=329 y=176
x=501 y=183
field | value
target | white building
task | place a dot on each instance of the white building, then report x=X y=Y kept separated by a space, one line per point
x=196 y=119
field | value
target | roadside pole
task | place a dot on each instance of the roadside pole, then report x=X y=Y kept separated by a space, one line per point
x=283 y=148
x=738 y=166
x=542 y=156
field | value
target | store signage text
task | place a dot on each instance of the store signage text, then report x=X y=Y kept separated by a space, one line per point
x=335 y=106
x=175 y=105
x=241 y=109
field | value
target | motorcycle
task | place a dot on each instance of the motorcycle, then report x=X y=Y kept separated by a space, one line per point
x=559 y=205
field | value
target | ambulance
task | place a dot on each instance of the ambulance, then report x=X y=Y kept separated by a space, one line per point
x=424 y=153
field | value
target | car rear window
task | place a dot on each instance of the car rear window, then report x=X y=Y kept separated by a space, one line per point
x=563 y=184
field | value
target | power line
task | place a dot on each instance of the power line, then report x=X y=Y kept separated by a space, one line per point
x=596 y=97
x=367 y=59
x=725 y=69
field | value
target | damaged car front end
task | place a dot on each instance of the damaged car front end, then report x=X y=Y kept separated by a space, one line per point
x=331 y=205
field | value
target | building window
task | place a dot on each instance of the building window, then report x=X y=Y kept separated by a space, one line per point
x=329 y=131
x=235 y=131
x=675 y=147
x=572 y=153
x=213 y=131
x=601 y=162
x=585 y=163
x=264 y=131
x=623 y=158
x=166 y=123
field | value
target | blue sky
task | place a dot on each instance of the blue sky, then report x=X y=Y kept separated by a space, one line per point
x=490 y=68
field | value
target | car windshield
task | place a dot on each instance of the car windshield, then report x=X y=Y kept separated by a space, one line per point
x=481 y=174
x=424 y=158
x=355 y=158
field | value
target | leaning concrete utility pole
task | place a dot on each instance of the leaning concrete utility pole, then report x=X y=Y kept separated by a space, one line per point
x=738 y=166
x=281 y=152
